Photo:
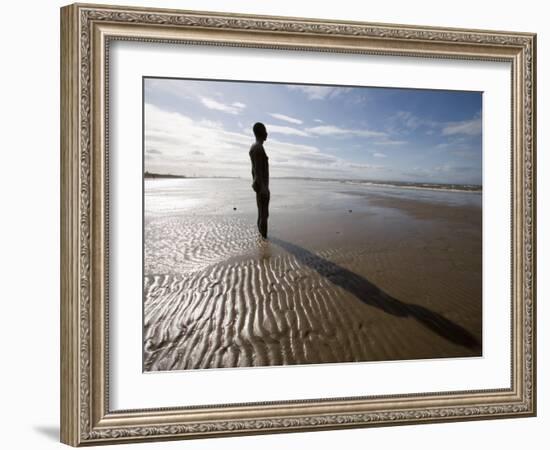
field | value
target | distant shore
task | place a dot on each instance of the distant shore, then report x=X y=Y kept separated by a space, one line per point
x=162 y=175
x=150 y=175
x=383 y=183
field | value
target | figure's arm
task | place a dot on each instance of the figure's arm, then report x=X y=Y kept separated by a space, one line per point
x=255 y=181
x=260 y=173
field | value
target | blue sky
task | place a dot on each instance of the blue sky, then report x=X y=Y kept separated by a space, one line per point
x=204 y=128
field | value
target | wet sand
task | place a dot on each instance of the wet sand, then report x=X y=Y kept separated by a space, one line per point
x=349 y=273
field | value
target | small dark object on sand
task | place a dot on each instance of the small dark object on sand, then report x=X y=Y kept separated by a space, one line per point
x=234 y=208
x=350 y=210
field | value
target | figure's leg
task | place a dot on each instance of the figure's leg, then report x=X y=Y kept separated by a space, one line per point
x=264 y=214
x=259 y=206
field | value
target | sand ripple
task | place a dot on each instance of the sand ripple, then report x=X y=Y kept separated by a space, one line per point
x=286 y=305
x=179 y=245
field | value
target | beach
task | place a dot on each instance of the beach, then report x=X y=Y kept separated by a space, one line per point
x=351 y=272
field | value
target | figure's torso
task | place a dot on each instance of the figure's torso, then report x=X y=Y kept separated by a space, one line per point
x=260 y=163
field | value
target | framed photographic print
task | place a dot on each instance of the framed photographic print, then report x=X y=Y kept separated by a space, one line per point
x=276 y=224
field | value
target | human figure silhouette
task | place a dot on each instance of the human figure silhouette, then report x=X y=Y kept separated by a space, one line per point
x=260 y=176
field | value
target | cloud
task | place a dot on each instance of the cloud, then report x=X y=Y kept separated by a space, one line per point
x=317 y=157
x=320 y=92
x=454 y=141
x=409 y=120
x=365 y=166
x=207 y=148
x=468 y=127
x=286 y=118
x=234 y=108
x=300 y=155
x=450 y=168
x=379 y=155
x=332 y=130
x=390 y=142
x=318 y=120
x=182 y=140
x=461 y=147
x=286 y=130
x=405 y=122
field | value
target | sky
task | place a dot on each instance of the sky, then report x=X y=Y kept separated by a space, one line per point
x=204 y=128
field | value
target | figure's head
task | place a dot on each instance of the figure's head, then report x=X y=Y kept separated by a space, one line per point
x=259 y=131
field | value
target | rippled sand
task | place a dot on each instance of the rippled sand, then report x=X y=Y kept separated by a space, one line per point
x=366 y=276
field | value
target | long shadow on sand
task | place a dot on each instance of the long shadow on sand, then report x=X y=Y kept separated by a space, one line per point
x=371 y=295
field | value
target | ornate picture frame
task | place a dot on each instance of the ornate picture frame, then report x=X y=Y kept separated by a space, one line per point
x=87 y=31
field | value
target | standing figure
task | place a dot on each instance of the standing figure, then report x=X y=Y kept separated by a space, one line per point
x=260 y=176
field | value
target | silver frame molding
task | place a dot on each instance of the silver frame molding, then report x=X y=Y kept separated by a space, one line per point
x=86 y=31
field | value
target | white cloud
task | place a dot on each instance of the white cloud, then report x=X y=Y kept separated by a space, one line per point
x=409 y=120
x=318 y=120
x=320 y=92
x=405 y=122
x=332 y=130
x=182 y=141
x=234 y=108
x=390 y=142
x=379 y=155
x=286 y=118
x=455 y=142
x=468 y=127
x=365 y=166
x=286 y=130
x=182 y=145
x=298 y=154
